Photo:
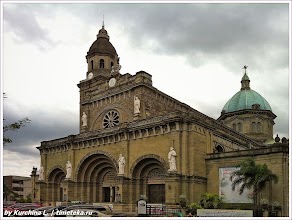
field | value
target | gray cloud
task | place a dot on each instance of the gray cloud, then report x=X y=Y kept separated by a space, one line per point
x=232 y=34
x=21 y=20
x=214 y=31
x=229 y=33
x=44 y=126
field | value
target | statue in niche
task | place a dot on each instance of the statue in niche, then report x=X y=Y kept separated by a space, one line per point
x=137 y=105
x=41 y=173
x=68 y=169
x=84 y=120
x=122 y=163
x=171 y=159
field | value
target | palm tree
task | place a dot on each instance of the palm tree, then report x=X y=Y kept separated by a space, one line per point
x=252 y=176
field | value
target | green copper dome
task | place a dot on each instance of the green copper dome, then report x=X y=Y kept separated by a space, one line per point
x=245 y=99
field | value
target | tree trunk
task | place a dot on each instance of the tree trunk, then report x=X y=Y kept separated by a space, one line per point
x=255 y=200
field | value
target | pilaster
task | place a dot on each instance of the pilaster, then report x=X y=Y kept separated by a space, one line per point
x=172 y=188
x=68 y=190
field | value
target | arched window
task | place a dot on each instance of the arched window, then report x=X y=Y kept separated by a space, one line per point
x=259 y=127
x=112 y=64
x=101 y=64
x=256 y=106
x=234 y=126
x=239 y=127
x=219 y=148
x=91 y=64
x=253 y=127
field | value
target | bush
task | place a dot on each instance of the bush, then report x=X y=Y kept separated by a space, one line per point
x=211 y=201
x=193 y=208
x=183 y=201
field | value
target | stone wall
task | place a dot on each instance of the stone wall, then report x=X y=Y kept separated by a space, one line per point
x=277 y=160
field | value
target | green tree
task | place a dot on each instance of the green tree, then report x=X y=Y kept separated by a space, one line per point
x=252 y=176
x=7 y=192
x=28 y=199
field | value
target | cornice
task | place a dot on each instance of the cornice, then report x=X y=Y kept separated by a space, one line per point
x=246 y=111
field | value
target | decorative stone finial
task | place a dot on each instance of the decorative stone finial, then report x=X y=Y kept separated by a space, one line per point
x=277 y=139
x=284 y=140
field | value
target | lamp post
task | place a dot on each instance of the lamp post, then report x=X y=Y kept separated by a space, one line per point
x=33 y=175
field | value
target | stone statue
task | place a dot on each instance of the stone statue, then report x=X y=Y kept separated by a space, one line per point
x=41 y=173
x=116 y=68
x=84 y=120
x=68 y=169
x=136 y=105
x=121 y=162
x=171 y=159
x=113 y=69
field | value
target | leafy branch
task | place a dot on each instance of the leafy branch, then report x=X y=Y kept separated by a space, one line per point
x=14 y=127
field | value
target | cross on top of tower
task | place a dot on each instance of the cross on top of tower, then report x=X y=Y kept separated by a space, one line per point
x=245 y=67
x=102 y=21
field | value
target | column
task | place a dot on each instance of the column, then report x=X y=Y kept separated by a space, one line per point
x=68 y=190
x=172 y=188
x=111 y=194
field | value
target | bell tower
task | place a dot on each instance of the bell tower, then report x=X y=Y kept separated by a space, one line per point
x=103 y=70
x=102 y=57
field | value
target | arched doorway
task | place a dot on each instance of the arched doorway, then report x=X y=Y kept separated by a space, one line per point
x=96 y=177
x=150 y=176
x=156 y=186
x=55 y=185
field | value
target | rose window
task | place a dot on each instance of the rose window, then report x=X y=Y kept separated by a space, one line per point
x=111 y=119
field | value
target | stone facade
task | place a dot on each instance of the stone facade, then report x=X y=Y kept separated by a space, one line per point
x=112 y=128
x=276 y=156
x=254 y=123
x=249 y=113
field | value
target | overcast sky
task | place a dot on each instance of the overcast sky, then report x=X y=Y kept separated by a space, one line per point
x=194 y=52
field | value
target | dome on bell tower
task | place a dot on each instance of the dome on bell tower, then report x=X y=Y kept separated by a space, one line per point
x=102 y=57
x=102 y=45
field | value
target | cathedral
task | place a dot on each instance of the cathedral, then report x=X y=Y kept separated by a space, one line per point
x=136 y=141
